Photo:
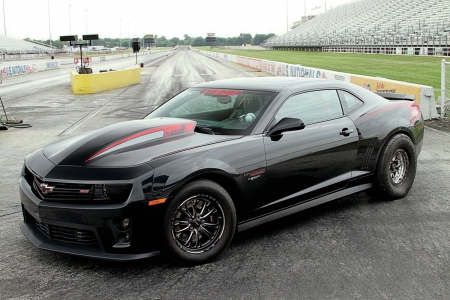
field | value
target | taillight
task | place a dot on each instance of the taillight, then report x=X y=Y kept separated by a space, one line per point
x=414 y=111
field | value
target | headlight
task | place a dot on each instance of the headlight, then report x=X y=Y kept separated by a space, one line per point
x=113 y=193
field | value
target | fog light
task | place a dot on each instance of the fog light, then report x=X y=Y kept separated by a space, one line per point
x=123 y=238
x=125 y=223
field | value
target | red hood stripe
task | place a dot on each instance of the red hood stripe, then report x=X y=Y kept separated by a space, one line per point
x=169 y=130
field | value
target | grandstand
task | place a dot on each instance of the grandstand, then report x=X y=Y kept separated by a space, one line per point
x=374 y=26
x=9 y=45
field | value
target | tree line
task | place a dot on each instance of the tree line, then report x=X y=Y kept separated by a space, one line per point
x=162 y=41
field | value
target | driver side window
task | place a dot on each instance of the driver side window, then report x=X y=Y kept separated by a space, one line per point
x=311 y=107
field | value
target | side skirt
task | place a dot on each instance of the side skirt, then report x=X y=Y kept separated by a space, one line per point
x=303 y=206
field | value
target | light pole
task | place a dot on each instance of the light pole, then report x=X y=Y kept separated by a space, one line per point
x=4 y=19
x=129 y=43
x=86 y=21
x=49 y=31
x=304 y=1
x=70 y=22
x=120 y=36
x=287 y=15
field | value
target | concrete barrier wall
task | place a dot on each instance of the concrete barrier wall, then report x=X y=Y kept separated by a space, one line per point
x=16 y=68
x=423 y=94
x=98 y=82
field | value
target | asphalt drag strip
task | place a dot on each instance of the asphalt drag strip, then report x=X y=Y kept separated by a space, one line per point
x=351 y=248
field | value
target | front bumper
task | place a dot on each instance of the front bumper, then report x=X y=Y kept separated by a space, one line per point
x=41 y=241
x=90 y=230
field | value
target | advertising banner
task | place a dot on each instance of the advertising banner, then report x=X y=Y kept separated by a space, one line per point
x=85 y=60
x=288 y=70
x=148 y=39
x=387 y=86
x=299 y=71
x=268 y=67
x=253 y=63
x=18 y=70
x=51 y=65
x=424 y=51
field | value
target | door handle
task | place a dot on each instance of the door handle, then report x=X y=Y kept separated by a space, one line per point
x=346 y=131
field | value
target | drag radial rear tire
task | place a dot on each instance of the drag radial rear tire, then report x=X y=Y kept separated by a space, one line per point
x=396 y=169
x=199 y=223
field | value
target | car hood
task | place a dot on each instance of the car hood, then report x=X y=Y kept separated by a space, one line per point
x=129 y=143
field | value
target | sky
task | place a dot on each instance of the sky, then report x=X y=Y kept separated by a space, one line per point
x=170 y=18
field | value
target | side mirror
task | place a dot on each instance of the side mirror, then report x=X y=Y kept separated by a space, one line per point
x=286 y=124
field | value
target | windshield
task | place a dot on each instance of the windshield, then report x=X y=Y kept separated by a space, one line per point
x=217 y=111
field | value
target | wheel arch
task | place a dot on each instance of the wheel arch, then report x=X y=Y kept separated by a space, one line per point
x=389 y=137
x=226 y=181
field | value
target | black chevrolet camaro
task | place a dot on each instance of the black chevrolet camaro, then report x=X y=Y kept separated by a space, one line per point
x=218 y=158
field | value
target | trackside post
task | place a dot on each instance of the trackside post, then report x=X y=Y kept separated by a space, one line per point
x=445 y=89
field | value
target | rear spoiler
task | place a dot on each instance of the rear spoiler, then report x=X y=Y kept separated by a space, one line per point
x=392 y=96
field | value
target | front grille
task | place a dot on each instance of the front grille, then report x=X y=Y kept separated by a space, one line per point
x=77 y=192
x=79 y=236
x=62 y=191
x=66 y=234
x=43 y=228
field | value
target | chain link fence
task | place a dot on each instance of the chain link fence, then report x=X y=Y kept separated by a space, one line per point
x=445 y=89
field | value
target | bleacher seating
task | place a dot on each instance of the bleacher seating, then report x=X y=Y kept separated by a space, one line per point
x=370 y=22
x=12 y=45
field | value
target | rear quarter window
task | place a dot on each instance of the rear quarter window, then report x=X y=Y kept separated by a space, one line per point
x=349 y=102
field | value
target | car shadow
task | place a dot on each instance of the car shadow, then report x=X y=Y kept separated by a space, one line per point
x=333 y=212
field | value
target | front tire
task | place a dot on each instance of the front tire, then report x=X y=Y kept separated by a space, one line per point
x=396 y=169
x=199 y=223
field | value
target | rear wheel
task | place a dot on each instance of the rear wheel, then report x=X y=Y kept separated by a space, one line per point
x=199 y=223
x=396 y=169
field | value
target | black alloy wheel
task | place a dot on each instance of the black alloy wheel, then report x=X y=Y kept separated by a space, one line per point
x=199 y=223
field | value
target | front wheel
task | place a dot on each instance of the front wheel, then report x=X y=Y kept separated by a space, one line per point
x=199 y=223
x=396 y=169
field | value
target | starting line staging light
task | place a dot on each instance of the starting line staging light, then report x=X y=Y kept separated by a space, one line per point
x=87 y=40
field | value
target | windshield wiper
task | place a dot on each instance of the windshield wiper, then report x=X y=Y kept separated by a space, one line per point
x=205 y=129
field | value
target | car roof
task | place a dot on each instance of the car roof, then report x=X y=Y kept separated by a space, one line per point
x=269 y=84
